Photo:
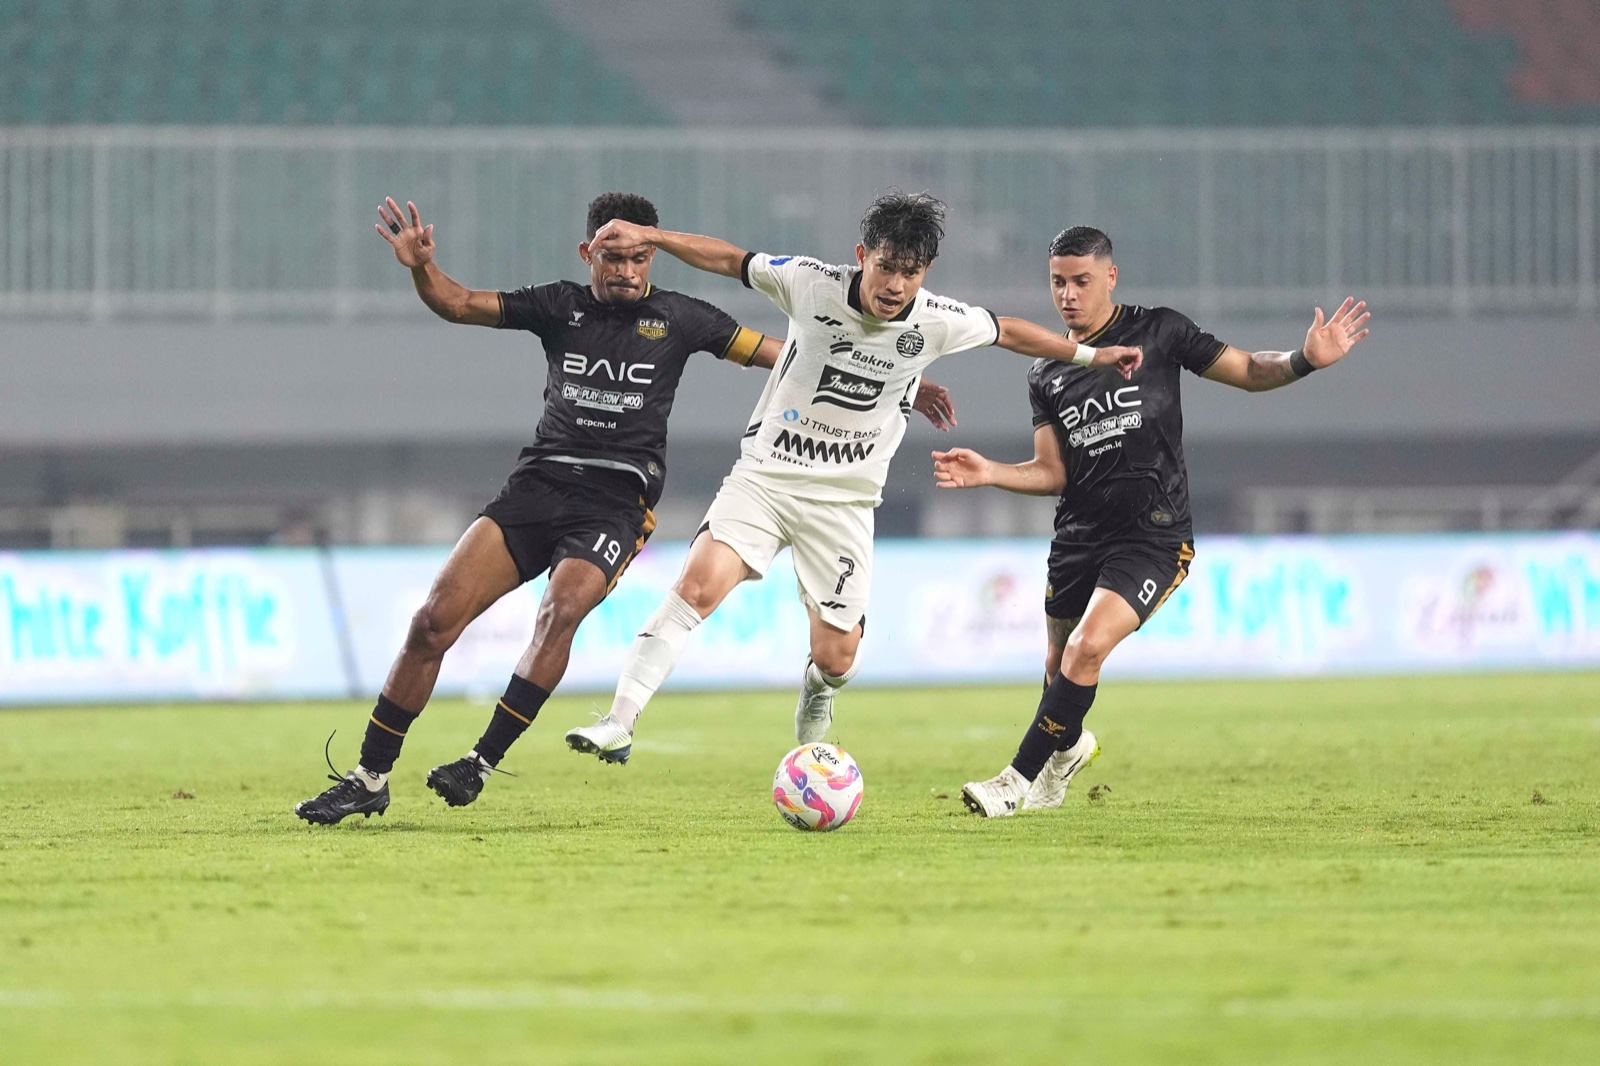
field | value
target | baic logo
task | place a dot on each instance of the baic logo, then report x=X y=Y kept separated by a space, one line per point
x=844 y=389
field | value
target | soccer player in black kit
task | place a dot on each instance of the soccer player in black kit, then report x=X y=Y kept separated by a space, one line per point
x=578 y=503
x=1113 y=450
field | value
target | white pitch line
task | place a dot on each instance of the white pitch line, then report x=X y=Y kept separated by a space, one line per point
x=640 y=1001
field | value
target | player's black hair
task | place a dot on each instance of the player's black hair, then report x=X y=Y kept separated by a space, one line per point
x=910 y=225
x=624 y=205
x=1081 y=240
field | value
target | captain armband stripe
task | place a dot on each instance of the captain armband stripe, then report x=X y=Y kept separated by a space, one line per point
x=742 y=346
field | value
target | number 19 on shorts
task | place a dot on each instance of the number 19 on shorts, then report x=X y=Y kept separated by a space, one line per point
x=607 y=548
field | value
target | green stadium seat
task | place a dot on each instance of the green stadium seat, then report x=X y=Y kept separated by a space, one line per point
x=1175 y=62
x=391 y=62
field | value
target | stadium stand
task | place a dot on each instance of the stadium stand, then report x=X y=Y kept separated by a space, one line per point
x=1198 y=62
x=303 y=62
x=1558 y=45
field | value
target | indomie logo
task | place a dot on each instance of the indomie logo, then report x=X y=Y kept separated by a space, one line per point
x=805 y=447
x=844 y=389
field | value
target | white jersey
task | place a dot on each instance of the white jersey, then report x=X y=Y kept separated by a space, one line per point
x=835 y=408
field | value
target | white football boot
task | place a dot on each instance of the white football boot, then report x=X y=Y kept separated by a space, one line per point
x=813 y=716
x=1050 y=787
x=605 y=737
x=998 y=797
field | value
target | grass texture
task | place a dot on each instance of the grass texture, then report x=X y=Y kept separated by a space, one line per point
x=1331 y=871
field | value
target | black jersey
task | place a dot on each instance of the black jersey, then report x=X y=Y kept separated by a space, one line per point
x=614 y=371
x=1122 y=440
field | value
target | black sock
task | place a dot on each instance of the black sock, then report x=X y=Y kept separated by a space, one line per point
x=1056 y=727
x=386 y=731
x=514 y=713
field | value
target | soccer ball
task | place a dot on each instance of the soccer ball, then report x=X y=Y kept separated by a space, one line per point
x=817 y=787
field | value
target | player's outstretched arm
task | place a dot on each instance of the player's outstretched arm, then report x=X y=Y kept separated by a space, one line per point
x=703 y=253
x=1043 y=475
x=445 y=297
x=936 y=405
x=1023 y=337
x=1327 y=342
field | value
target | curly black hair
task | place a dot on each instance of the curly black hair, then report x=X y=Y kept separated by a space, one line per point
x=624 y=205
x=1081 y=240
x=909 y=225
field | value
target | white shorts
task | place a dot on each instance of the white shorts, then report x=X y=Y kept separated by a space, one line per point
x=831 y=543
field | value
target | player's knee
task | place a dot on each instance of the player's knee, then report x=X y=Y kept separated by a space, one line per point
x=560 y=616
x=835 y=658
x=1086 y=649
x=696 y=593
x=432 y=631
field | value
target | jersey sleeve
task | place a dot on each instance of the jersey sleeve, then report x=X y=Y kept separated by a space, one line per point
x=1190 y=346
x=711 y=329
x=965 y=327
x=533 y=308
x=781 y=278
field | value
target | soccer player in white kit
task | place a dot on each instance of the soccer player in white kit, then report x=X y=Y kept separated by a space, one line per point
x=816 y=452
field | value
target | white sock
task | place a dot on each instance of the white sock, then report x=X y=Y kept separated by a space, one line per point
x=1013 y=777
x=654 y=653
x=371 y=778
x=483 y=764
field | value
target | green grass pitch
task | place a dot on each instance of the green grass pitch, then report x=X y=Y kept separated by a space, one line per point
x=1312 y=872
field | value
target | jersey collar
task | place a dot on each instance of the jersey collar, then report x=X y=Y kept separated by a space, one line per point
x=1116 y=315
x=854 y=296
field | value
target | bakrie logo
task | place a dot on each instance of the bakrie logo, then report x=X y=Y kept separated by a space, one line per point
x=844 y=389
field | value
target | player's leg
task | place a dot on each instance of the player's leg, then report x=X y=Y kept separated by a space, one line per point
x=1132 y=582
x=832 y=546
x=576 y=587
x=737 y=543
x=596 y=533
x=478 y=572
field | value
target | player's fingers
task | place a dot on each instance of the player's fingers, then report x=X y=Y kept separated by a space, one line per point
x=1358 y=337
x=416 y=219
x=394 y=210
x=383 y=232
x=1344 y=308
x=1357 y=324
x=427 y=233
x=1317 y=322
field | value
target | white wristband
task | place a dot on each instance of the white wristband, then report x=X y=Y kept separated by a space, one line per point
x=1084 y=356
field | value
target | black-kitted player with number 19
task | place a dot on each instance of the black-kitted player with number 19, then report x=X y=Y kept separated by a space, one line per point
x=1113 y=450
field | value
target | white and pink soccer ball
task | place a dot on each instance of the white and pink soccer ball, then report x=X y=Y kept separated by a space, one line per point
x=817 y=787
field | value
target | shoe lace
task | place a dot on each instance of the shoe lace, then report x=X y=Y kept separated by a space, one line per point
x=333 y=773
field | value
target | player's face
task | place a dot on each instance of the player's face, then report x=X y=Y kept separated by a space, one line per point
x=1081 y=286
x=618 y=275
x=887 y=284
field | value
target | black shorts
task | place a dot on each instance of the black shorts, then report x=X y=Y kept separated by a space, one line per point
x=1144 y=573
x=551 y=511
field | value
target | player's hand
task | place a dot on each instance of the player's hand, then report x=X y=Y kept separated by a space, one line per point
x=936 y=405
x=960 y=468
x=1328 y=342
x=618 y=236
x=412 y=241
x=1126 y=360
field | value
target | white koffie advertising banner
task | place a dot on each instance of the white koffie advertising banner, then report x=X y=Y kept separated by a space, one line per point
x=292 y=623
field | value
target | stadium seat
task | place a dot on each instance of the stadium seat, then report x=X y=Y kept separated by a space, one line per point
x=388 y=62
x=1198 y=62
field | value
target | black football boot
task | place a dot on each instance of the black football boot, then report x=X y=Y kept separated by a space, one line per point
x=349 y=796
x=458 y=783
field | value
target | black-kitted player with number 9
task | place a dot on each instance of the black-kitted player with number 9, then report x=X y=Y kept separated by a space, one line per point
x=578 y=504
x=1113 y=450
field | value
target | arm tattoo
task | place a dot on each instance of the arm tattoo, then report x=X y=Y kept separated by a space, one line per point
x=1270 y=370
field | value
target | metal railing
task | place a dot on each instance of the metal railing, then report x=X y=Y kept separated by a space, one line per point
x=224 y=222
